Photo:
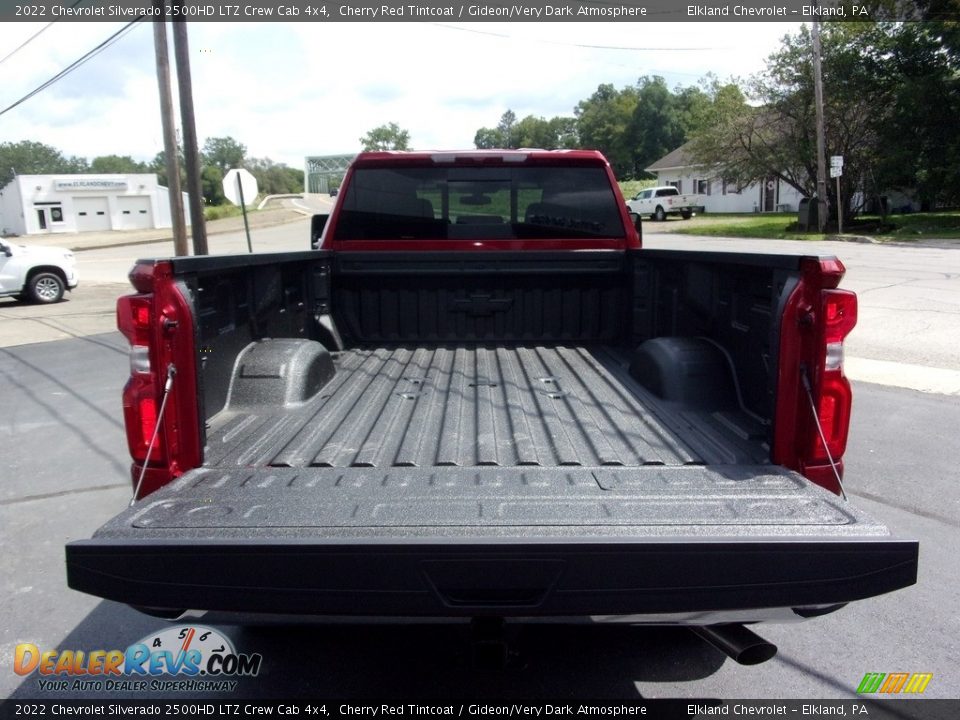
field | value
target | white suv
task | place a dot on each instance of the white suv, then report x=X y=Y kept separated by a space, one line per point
x=39 y=274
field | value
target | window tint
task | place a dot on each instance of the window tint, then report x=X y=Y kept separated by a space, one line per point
x=485 y=202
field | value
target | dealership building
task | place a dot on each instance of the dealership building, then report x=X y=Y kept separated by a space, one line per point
x=43 y=204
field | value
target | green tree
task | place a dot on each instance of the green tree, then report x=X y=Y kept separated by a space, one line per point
x=487 y=139
x=657 y=124
x=28 y=157
x=918 y=140
x=693 y=104
x=159 y=166
x=211 y=185
x=605 y=123
x=879 y=80
x=566 y=132
x=224 y=153
x=776 y=136
x=530 y=132
x=117 y=164
x=504 y=135
x=538 y=132
x=386 y=137
x=275 y=178
x=507 y=127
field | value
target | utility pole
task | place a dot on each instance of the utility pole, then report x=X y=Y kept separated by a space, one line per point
x=198 y=228
x=169 y=136
x=822 y=208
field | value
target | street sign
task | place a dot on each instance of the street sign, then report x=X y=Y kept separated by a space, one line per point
x=247 y=182
x=240 y=188
x=836 y=171
x=836 y=161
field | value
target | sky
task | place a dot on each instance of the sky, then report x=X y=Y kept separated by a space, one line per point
x=288 y=90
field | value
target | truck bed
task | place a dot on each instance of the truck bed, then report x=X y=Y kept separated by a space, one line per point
x=537 y=406
x=545 y=441
x=483 y=437
x=467 y=480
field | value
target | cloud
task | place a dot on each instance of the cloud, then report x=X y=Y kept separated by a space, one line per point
x=380 y=92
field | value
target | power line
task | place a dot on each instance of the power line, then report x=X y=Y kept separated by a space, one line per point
x=32 y=37
x=26 y=42
x=75 y=64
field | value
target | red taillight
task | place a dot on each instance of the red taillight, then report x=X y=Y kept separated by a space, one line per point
x=834 y=398
x=160 y=395
x=135 y=318
x=812 y=415
x=140 y=407
x=148 y=423
x=839 y=314
x=834 y=414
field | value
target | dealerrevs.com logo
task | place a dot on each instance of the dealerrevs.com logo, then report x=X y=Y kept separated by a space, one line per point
x=204 y=658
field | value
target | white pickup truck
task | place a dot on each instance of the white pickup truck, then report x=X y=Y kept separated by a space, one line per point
x=658 y=202
x=38 y=274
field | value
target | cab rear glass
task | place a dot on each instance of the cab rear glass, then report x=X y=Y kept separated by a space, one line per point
x=454 y=203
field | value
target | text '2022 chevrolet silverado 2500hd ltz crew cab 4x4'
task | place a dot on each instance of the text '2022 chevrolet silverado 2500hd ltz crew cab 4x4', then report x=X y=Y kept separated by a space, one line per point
x=480 y=397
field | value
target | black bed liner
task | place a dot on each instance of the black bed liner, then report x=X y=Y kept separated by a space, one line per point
x=465 y=480
x=465 y=406
x=493 y=503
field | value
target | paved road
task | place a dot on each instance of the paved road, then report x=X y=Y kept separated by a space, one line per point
x=65 y=474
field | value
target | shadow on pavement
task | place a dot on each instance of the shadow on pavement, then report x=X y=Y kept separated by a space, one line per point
x=416 y=661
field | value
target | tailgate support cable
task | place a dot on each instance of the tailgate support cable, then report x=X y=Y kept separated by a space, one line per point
x=804 y=376
x=171 y=372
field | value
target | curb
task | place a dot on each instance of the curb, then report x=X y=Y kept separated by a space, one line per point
x=922 y=378
x=865 y=239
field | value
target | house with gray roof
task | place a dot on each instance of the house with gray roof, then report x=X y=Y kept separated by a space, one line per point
x=723 y=195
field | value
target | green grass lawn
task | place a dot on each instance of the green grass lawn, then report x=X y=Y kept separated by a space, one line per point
x=753 y=225
x=218 y=212
x=924 y=225
x=918 y=226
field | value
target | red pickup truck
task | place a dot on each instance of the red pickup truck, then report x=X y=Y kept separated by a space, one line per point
x=478 y=396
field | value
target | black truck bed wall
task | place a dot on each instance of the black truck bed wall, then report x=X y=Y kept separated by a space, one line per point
x=433 y=299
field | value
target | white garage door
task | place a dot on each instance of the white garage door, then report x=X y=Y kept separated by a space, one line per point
x=93 y=213
x=134 y=213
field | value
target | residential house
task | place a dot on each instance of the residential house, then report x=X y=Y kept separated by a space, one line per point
x=678 y=168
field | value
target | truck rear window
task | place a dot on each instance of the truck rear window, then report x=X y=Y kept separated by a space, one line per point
x=436 y=203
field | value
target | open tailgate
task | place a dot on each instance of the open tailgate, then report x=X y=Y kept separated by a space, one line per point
x=526 y=541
